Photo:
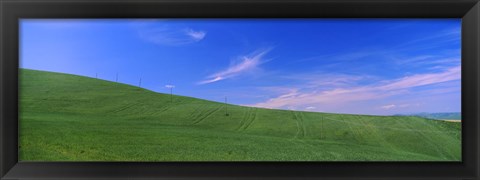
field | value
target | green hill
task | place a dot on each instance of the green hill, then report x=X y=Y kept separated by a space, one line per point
x=73 y=118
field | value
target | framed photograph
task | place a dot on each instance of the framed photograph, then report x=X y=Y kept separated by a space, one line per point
x=240 y=89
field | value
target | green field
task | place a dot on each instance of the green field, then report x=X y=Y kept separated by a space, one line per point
x=73 y=118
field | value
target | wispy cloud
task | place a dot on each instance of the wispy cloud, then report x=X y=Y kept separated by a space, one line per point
x=246 y=64
x=310 y=108
x=444 y=37
x=346 y=56
x=398 y=106
x=423 y=79
x=429 y=60
x=196 y=35
x=301 y=97
x=161 y=34
x=387 y=107
x=322 y=79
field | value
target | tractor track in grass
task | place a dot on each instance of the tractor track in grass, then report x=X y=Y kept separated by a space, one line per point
x=351 y=129
x=206 y=115
x=322 y=124
x=301 y=129
x=248 y=120
x=298 y=126
x=302 y=117
x=200 y=113
x=164 y=108
x=123 y=108
x=193 y=114
x=253 y=117
x=162 y=125
x=374 y=132
x=429 y=139
x=246 y=115
x=391 y=128
x=141 y=109
x=160 y=110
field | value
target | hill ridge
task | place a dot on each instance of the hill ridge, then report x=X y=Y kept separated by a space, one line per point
x=69 y=117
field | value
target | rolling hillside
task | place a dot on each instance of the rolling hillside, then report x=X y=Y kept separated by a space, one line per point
x=73 y=118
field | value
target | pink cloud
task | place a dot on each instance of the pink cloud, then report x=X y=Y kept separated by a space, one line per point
x=298 y=98
x=248 y=63
x=387 y=107
x=424 y=79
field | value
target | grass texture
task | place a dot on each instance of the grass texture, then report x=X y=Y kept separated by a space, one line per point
x=66 y=117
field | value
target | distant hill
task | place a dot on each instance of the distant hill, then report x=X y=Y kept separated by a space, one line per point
x=439 y=116
x=66 y=117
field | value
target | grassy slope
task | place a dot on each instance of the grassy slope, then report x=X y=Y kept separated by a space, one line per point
x=71 y=118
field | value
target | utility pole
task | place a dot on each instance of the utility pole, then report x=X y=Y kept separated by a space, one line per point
x=226 y=106
x=140 y=83
x=321 y=129
x=171 y=91
x=96 y=75
x=116 y=78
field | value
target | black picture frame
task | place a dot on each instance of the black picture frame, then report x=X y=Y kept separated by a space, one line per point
x=13 y=10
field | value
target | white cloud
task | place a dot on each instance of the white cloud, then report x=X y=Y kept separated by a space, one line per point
x=424 y=79
x=429 y=61
x=387 y=107
x=196 y=35
x=246 y=64
x=169 y=86
x=396 y=106
x=431 y=40
x=320 y=79
x=310 y=108
x=335 y=96
x=217 y=78
x=298 y=97
x=169 y=36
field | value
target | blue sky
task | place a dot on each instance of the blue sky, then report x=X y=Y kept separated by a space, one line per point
x=360 y=66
